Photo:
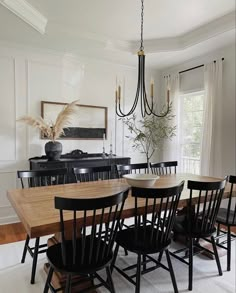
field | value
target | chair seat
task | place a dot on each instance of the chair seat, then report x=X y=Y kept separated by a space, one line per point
x=85 y=266
x=181 y=226
x=127 y=239
x=222 y=217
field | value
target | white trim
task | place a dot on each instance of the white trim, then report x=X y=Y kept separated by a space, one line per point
x=27 y=13
x=205 y=32
x=9 y=220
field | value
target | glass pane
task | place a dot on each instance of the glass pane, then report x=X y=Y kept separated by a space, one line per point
x=191 y=127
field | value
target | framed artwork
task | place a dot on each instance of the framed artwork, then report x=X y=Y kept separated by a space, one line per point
x=89 y=123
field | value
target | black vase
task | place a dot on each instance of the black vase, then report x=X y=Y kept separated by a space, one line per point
x=53 y=150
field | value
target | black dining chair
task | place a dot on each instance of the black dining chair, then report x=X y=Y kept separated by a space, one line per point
x=136 y=168
x=92 y=173
x=88 y=251
x=227 y=218
x=199 y=223
x=37 y=178
x=164 y=168
x=150 y=234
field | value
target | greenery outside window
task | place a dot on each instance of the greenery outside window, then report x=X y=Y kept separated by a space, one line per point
x=191 y=126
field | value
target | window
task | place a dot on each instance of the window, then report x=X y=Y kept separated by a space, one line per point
x=191 y=124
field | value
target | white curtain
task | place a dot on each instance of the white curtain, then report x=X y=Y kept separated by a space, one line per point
x=211 y=145
x=171 y=147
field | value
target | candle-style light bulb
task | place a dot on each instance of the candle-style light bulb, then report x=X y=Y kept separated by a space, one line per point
x=152 y=88
x=119 y=92
x=103 y=146
x=168 y=97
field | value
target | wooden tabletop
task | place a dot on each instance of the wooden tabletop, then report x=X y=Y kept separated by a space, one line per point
x=35 y=206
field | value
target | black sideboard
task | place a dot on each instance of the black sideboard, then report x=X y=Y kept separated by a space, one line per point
x=77 y=160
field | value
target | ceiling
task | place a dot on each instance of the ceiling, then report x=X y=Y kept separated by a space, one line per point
x=174 y=31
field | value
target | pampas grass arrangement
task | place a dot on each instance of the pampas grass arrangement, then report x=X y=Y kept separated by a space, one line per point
x=52 y=130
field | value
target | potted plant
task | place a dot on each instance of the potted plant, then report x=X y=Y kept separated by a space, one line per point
x=52 y=130
x=149 y=133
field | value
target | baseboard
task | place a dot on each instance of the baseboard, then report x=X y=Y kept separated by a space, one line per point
x=9 y=220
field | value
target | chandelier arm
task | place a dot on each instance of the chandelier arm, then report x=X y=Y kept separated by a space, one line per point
x=161 y=115
x=147 y=108
x=142 y=102
x=120 y=113
x=144 y=94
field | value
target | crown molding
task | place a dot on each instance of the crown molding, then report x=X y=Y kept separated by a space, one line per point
x=196 y=36
x=27 y=13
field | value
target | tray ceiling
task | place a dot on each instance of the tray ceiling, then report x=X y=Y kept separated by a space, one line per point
x=110 y=29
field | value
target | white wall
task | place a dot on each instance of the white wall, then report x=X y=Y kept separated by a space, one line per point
x=228 y=110
x=28 y=76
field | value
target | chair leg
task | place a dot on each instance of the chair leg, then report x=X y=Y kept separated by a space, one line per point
x=144 y=262
x=48 y=281
x=217 y=232
x=25 y=248
x=216 y=255
x=160 y=256
x=35 y=259
x=190 y=266
x=228 y=248
x=114 y=257
x=68 y=284
x=171 y=271
x=138 y=274
x=110 y=281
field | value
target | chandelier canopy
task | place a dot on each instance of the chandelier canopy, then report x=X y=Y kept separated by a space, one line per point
x=147 y=108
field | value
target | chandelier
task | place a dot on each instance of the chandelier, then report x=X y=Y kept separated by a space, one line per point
x=147 y=108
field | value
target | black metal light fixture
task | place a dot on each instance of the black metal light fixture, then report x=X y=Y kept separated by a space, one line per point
x=147 y=108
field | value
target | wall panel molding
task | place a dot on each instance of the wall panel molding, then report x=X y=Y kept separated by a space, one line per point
x=8 y=119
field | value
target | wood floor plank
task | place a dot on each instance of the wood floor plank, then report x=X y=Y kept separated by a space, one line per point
x=12 y=233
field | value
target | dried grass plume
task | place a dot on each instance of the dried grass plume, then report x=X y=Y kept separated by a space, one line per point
x=52 y=130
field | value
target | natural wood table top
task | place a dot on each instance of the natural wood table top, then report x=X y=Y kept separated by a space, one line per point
x=35 y=206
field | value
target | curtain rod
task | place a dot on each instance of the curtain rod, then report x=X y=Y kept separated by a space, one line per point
x=197 y=67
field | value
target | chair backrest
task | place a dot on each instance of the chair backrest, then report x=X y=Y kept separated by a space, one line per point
x=136 y=168
x=203 y=206
x=35 y=178
x=164 y=168
x=93 y=237
x=122 y=170
x=139 y=168
x=92 y=173
x=154 y=222
x=231 y=208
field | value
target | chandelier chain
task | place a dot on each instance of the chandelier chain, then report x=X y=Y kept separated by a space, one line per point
x=141 y=42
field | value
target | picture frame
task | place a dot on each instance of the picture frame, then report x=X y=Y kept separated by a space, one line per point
x=90 y=123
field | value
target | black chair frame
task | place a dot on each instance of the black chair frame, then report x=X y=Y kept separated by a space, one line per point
x=92 y=173
x=150 y=233
x=88 y=251
x=136 y=168
x=164 y=168
x=227 y=218
x=199 y=223
x=37 y=178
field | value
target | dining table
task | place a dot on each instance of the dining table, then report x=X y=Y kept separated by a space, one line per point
x=35 y=206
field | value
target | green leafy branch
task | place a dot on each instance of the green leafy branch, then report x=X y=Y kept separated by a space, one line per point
x=148 y=134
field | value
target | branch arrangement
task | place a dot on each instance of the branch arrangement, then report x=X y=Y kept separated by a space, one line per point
x=149 y=133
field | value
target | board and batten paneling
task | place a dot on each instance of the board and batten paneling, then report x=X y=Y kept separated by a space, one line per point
x=7 y=106
x=7 y=181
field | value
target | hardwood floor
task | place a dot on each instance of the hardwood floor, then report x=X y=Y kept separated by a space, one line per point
x=12 y=233
x=16 y=232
